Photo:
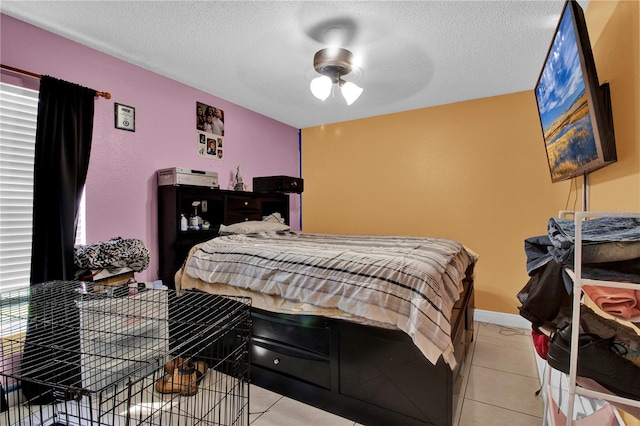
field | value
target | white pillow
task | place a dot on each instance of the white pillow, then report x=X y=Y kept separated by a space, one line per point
x=273 y=217
x=252 y=227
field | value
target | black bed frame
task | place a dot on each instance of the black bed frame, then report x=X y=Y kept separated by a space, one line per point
x=370 y=375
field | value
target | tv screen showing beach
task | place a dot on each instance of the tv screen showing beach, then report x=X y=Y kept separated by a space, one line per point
x=563 y=106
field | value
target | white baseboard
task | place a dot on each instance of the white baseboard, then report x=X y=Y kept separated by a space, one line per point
x=499 y=318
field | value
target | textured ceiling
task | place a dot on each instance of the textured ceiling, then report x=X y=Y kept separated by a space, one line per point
x=259 y=54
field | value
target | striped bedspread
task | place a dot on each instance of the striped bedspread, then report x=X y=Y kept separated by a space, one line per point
x=408 y=283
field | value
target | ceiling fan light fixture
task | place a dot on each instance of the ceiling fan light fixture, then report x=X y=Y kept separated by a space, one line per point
x=321 y=87
x=334 y=63
x=351 y=92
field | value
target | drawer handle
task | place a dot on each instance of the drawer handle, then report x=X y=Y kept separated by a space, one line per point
x=276 y=361
x=246 y=203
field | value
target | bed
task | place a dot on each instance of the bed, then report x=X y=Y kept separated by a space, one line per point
x=372 y=328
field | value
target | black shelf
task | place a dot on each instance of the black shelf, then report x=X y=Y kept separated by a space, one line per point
x=217 y=206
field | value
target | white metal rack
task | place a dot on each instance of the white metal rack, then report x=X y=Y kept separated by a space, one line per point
x=578 y=283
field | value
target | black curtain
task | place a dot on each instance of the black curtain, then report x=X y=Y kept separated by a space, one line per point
x=63 y=143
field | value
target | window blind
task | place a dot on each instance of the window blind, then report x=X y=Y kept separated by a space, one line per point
x=18 y=121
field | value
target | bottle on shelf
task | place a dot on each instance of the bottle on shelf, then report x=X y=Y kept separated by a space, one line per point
x=195 y=221
x=183 y=222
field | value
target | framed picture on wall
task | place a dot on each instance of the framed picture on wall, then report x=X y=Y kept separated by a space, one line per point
x=210 y=127
x=125 y=117
x=209 y=119
x=210 y=146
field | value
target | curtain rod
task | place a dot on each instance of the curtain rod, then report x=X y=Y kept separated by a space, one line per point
x=105 y=95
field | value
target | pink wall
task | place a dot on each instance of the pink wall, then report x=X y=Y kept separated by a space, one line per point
x=121 y=183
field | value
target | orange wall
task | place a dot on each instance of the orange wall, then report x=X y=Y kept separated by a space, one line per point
x=473 y=171
x=616 y=47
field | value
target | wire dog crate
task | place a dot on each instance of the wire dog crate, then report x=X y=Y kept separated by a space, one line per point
x=75 y=354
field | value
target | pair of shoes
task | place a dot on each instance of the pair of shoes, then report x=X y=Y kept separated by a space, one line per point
x=182 y=377
x=625 y=336
x=172 y=365
x=599 y=359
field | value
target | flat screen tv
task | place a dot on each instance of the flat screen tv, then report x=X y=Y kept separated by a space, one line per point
x=574 y=110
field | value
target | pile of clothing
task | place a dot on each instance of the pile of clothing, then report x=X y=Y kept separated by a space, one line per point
x=608 y=351
x=610 y=251
x=112 y=255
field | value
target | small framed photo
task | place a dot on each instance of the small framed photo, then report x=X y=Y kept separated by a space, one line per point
x=125 y=117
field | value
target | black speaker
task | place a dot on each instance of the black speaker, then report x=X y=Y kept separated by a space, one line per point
x=278 y=184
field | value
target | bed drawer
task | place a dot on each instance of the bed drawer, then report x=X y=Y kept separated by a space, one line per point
x=306 y=332
x=302 y=365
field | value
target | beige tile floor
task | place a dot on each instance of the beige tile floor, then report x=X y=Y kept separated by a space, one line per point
x=499 y=388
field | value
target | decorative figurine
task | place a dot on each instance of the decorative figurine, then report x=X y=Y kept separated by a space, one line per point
x=237 y=183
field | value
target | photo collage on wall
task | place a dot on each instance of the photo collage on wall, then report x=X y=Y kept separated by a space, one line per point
x=210 y=125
